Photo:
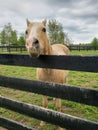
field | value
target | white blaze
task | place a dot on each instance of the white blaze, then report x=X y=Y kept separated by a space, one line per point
x=33 y=33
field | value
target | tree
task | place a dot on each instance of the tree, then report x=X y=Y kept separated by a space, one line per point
x=56 y=33
x=2 y=37
x=68 y=40
x=8 y=29
x=8 y=35
x=94 y=42
x=21 y=40
x=14 y=40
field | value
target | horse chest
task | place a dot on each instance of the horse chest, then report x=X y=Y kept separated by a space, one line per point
x=47 y=75
x=51 y=75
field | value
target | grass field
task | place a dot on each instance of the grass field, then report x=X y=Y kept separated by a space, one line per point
x=83 y=79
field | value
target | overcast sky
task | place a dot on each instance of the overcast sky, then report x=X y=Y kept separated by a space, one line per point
x=78 y=17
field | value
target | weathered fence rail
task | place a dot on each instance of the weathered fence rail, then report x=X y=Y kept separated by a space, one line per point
x=57 y=118
x=78 y=63
x=13 y=125
x=77 y=94
x=73 y=93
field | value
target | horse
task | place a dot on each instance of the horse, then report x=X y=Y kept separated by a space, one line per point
x=37 y=44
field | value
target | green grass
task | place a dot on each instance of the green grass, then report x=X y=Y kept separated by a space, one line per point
x=82 y=79
x=84 y=52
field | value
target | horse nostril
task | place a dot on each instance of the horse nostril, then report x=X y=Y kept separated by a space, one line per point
x=35 y=41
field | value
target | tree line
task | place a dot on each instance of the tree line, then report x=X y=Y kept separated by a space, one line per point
x=9 y=36
x=55 y=31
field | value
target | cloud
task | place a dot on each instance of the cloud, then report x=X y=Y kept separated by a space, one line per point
x=79 y=18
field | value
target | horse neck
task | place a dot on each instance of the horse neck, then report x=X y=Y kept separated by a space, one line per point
x=48 y=52
x=48 y=48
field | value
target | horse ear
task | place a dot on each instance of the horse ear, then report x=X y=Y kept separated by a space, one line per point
x=28 y=22
x=44 y=22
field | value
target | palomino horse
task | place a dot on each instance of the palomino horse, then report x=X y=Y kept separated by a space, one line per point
x=37 y=43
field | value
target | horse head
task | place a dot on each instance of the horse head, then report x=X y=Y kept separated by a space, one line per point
x=36 y=38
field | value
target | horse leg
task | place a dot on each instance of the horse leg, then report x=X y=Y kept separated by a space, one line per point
x=44 y=104
x=59 y=108
x=58 y=104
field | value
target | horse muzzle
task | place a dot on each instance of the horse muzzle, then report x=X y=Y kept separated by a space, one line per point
x=34 y=51
x=33 y=47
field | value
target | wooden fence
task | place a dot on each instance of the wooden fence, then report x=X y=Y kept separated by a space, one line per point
x=85 y=47
x=12 y=49
x=22 y=48
x=72 y=93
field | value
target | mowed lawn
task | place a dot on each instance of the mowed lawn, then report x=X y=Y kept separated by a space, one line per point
x=82 y=79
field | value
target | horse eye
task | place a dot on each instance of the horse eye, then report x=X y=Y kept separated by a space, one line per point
x=26 y=32
x=44 y=29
